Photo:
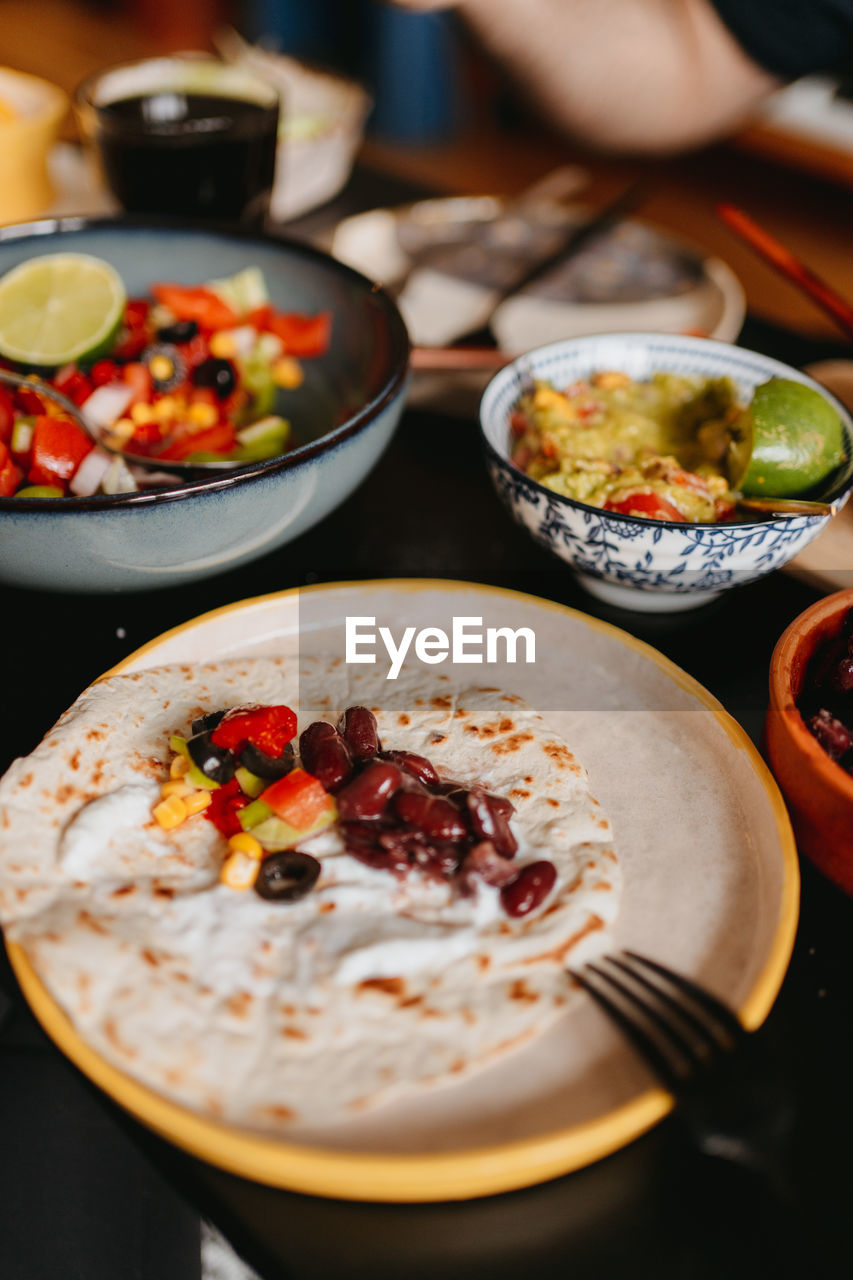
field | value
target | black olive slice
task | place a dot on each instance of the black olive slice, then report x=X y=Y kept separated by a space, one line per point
x=180 y=331
x=206 y=723
x=264 y=766
x=216 y=763
x=217 y=373
x=287 y=876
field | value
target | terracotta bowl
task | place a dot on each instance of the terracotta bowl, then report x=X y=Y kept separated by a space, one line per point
x=819 y=793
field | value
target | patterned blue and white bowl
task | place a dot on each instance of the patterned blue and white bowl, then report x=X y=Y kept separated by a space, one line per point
x=641 y=563
x=343 y=417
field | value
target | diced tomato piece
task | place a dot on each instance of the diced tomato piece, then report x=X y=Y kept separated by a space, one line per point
x=103 y=371
x=73 y=383
x=225 y=803
x=518 y=423
x=298 y=798
x=194 y=302
x=689 y=480
x=302 y=335
x=136 y=312
x=10 y=475
x=195 y=351
x=136 y=375
x=645 y=503
x=59 y=446
x=29 y=401
x=130 y=344
x=268 y=728
x=7 y=413
x=724 y=509
x=220 y=438
x=147 y=433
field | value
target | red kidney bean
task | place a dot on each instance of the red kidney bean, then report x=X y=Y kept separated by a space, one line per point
x=529 y=889
x=832 y=734
x=483 y=860
x=501 y=805
x=435 y=816
x=325 y=755
x=418 y=766
x=438 y=860
x=366 y=797
x=358 y=727
x=490 y=823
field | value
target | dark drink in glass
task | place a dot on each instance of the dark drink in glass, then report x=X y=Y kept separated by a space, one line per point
x=184 y=137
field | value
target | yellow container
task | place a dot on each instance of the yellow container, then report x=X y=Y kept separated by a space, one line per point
x=28 y=128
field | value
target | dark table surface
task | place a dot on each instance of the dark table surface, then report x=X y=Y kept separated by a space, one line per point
x=87 y=1192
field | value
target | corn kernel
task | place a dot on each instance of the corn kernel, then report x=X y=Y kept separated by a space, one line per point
x=239 y=871
x=180 y=765
x=223 y=346
x=165 y=408
x=196 y=801
x=176 y=787
x=123 y=429
x=140 y=413
x=245 y=842
x=203 y=415
x=161 y=367
x=170 y=813
x=288 y=373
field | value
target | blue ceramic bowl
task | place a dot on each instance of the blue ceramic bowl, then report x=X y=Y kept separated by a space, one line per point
x=343 y=417
x=641 y=563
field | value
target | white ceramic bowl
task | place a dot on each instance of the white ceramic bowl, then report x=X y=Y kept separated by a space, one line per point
x=641 y=563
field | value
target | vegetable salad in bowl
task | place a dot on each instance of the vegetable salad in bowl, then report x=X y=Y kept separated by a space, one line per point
x=186 y=374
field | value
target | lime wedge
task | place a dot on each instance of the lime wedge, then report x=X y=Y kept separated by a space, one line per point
x=785 y=442
x=61 y=307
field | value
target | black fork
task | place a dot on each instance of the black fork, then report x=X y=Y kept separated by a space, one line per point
x=728 y=1089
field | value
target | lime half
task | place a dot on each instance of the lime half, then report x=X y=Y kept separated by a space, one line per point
x=61 y=307
x=785 y=442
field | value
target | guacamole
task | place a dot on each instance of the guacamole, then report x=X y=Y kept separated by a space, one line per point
x=654 y=449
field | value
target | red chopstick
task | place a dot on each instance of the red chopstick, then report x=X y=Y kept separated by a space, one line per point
x=788 y=265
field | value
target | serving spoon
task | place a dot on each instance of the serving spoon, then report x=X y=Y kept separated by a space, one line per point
x=183 y=470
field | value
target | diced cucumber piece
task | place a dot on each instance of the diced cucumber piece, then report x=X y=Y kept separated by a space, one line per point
x=250 y=783
x=253 y=814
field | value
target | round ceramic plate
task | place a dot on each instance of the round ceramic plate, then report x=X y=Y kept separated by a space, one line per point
x=710 y=888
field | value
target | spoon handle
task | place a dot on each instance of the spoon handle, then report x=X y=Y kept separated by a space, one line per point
x=787 y=506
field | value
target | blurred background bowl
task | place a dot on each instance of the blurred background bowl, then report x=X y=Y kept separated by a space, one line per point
x=818 y=792
x=640 y=563
x=31 y=111
x=342 y=416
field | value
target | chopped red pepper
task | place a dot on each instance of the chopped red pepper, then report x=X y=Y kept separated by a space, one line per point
x=10 y=475
x=136 y=313
x=194 y=302
x=59 y=446
x=220 y=438
x=29 y=401
x=268 y=728
x=302 y=335
x=73 y=383
x=225 y=803
x=299 y=798
x=648 y=504
x=137 y=376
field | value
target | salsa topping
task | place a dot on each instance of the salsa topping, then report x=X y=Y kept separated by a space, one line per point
x=394 y=813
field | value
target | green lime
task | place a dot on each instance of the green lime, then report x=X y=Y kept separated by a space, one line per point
x=786 y=441
x=58 y=308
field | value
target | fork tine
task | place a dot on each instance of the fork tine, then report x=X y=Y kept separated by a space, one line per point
x=719 y=1011
x=690 y=1057
x=669 y=1071
x=712 y=1036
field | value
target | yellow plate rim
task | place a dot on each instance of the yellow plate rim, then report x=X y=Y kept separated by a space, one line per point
x=423 y=1177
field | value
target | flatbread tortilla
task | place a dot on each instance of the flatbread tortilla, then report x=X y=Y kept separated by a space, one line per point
x=268 y=1015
